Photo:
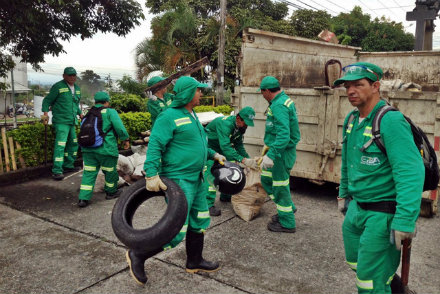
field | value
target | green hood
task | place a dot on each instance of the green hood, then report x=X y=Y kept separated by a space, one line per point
x=185 y=89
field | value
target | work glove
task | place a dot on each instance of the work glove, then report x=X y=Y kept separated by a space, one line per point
x=251 y=163
x=267 y=162
x=343 y=204
x=398 y=236
x=155 y=184
x=264 y=151
x=151 y=96
x=220 y=158
x=44 y=119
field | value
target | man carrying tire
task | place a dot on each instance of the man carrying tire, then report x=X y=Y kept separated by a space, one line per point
x=178 y=150
x=63 y=100
x=225 y=135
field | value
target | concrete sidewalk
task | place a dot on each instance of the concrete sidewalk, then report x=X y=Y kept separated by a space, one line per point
x=49 y=245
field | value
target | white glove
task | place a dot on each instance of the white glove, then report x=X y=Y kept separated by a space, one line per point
x=220 y=158
x=151 y=96
x=267 y=162
x=155 y=184
x=249 y=162
x=400 y=236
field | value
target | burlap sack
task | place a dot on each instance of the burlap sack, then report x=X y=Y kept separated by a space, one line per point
x=247 y=203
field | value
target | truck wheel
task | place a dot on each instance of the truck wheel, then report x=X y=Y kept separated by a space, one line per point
x=163 y=231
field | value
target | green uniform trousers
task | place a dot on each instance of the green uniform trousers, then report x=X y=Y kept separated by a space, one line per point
x=92 y=163
x=65 y=149
x=211 y=192
x=197 y=219
x=368 y=250
x=275 y=182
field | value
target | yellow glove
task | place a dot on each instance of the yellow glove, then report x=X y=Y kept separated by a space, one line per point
x=155 y=184
x=220 y=158
x=264 y=151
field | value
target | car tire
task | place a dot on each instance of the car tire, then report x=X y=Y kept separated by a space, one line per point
x=160 y=233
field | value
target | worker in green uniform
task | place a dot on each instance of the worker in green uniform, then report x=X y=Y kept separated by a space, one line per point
x=104 y=157
x=159 y=100
x=63 y=101
x=280 y=138
x=178 y=150
x=225 y=136
x=386 y=188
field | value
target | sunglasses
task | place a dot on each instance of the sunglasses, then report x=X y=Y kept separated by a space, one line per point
x=72 y=75
x=358 y=69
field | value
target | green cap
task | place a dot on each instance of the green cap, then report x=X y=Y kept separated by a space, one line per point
x=358 y=71
x=185 y=88
x=269 y=82
x=248 y=115
x=101 y=97
x=69 y=71
x=154 y=80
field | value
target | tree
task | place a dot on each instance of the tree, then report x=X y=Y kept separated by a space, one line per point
x=309 y=23
x=352 y=26
x=130 y=86
x=32 y=28
x=90 y=83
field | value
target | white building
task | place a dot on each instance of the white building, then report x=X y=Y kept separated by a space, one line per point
x=20 y=84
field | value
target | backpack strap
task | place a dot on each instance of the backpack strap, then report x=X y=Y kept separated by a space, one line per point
x=375 y=131
x=349 y=125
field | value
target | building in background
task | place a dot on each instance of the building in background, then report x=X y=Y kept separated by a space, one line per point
x=20 y=85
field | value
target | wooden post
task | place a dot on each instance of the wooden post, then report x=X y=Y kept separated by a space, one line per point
x=5 y=149
x=11 y=149
x=1 y=162
x=20 y=158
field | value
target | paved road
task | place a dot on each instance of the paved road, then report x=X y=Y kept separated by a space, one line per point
x=49 y=245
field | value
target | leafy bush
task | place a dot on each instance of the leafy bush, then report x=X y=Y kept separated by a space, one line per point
x=136 y=122
x=128 y=103
x=225 y=109
x=31 y=139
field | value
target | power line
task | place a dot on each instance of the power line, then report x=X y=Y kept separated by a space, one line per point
x=388 y=9
x=307 y=5
x=325 y=7
x=337 y=5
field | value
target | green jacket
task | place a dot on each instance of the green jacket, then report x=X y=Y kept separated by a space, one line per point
x=111 y=123
x=155 y=107
x=178 y=146
x=282 y=129
x=372 y=176
x=64 y=105
x=225 y=138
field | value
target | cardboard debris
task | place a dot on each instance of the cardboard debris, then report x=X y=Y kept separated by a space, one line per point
x=328 y=36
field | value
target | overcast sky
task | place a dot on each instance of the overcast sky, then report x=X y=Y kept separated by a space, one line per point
x=108 y=53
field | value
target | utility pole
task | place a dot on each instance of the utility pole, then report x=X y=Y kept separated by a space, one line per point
x=221 y=54
x=13 y=98
x=424 y=14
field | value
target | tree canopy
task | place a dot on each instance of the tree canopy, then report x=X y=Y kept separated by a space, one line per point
x=187 y=30
x=32 y=28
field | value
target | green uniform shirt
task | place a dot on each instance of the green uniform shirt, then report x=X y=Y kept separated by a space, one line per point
x=155 y=107
x=372 y=176
x=110 y=121
x=282 y=129
x=178 y=146
x=225 y=138
x=64 y=105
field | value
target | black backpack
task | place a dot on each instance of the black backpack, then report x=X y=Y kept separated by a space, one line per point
x=91 y=133
x=423 y=145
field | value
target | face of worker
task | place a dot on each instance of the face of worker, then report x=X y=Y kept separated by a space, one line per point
x=240 y=123
x=360 y=92
x=266 y=94
x=196 y=99
x=70 y=79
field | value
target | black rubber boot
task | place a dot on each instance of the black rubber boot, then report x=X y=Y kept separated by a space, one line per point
x=136 y=262
x=214 y=211
x=194 y=249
